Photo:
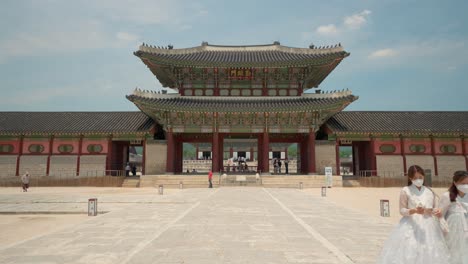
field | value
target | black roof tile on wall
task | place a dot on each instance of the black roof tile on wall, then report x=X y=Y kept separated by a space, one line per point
x=73 y=122
x=399 y=122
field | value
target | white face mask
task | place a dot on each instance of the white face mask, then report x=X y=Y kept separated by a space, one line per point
x=462 y=188
x=418 y=182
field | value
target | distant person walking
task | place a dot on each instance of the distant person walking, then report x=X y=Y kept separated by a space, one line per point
x=210 y=179
x=25 y=181
x=134 y=169
x=127 y=169
x=286 y=165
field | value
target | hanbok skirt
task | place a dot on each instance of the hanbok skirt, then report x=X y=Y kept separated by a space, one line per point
x=417 y=239
x=457 y=238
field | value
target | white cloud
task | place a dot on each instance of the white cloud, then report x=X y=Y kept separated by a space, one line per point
x=356 y=21
x=327 y=30
x=352 y=22
x=383 y=53
x=73 y=32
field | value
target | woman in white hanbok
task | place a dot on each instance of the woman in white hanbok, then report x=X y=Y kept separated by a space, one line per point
x=418 y=238
x=454 y=205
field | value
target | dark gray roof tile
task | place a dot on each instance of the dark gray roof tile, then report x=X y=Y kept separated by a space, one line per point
x=73 y=122
x=404 y=122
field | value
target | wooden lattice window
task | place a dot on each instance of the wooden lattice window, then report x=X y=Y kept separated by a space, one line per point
x=417 y=148
x=94 y=148
x=65 y=148
x=6 y=148
x=387 y=148
x=36 y=148
x=448 y=148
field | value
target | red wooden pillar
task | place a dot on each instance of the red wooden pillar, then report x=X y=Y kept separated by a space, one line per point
x=311 y=169
x=51 y=145
x=260 y=152
x=264 y=88
x=143 y=160
x=221 y=152
x=463 y=140
x=109 y=154
x=80 y=150
x=178 y=154
x=20 y=153
x=196 y=151
x=436 y=173
x=169 y=151
x=373 y=160
x=266 y=151
x=337 y=151
x=215 y=151
x=403 y=152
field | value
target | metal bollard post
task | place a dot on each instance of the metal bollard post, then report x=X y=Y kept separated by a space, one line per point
x=324 y=191
x=92 y=207
x=181 y=185
x=385 y=208
x=301 y=185
x=161 y=189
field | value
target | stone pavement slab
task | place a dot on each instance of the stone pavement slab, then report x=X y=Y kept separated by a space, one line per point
x=226 y=225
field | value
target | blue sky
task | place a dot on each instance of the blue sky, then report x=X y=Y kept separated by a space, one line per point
x=78 y=55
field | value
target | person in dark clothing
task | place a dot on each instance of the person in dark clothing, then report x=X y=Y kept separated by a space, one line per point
x=134 y=168
x=286 y=165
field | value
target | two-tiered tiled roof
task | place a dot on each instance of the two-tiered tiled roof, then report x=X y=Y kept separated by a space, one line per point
x=177 y=103
x=318 y=61
x=274 y=55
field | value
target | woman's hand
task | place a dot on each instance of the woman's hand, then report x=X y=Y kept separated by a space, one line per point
x=437 y=212
x=417 y=210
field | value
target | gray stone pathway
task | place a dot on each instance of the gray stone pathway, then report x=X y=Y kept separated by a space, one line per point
x=226 y=225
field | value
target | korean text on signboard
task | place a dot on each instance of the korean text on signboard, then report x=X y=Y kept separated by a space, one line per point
x=240 y=74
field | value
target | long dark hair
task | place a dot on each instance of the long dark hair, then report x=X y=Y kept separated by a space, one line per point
x=457 y=176
x=412 y=170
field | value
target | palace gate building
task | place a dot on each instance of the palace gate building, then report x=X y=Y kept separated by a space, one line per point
x=257 y=102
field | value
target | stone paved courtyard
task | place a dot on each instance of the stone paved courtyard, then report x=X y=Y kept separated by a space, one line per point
x=226 y=225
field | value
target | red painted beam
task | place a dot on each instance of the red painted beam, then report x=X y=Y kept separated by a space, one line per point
x=434 y=156
x=20 y=153
x=51 y=144
x=170 y=151
x=109 y=153
x=266 y=150
x=337 y=151
x=80 y=146
x=403 y=153
x=311 y=152
x=143 y=161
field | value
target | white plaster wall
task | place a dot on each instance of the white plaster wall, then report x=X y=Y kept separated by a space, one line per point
x=92 y=165
x=8 y=165
x=36 y=165
x=156 y=151
x=390 y=166
x=63 y=166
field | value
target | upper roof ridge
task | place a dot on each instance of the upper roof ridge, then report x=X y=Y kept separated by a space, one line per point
x=276 y=46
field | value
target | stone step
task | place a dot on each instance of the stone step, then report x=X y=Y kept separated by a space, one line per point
x=131 y=183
